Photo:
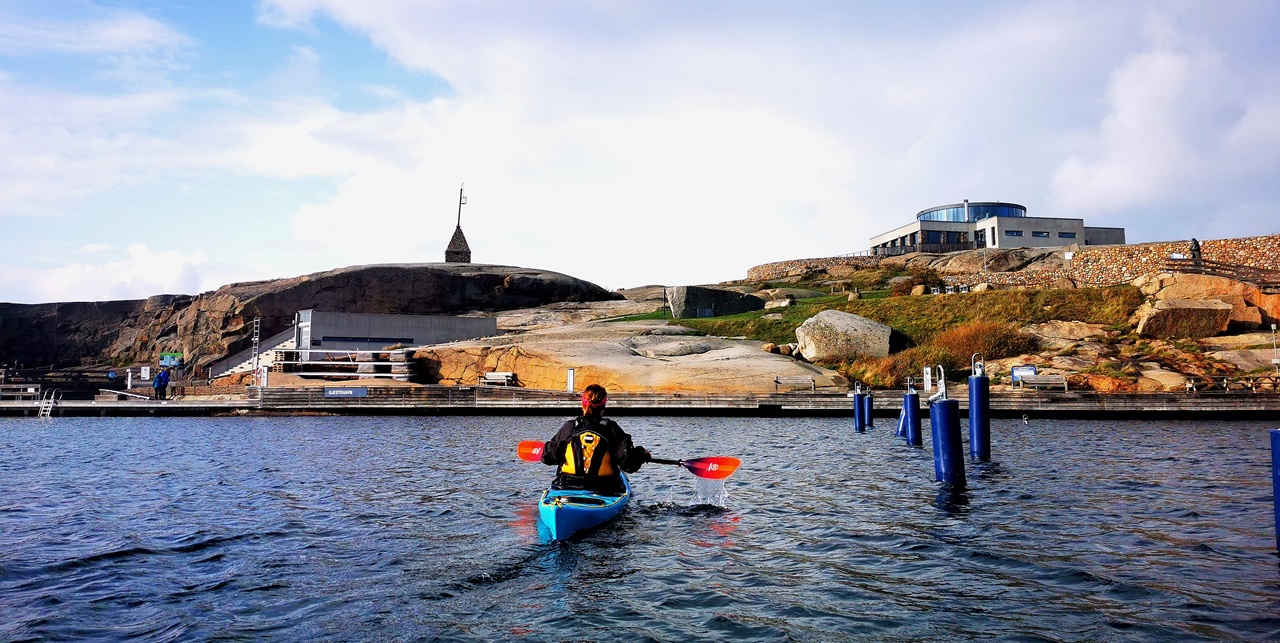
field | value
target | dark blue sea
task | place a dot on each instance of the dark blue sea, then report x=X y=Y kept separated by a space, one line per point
x=425 y=529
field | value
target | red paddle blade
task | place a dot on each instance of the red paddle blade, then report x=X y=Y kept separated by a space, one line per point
x=713 y=468
x=530 y=450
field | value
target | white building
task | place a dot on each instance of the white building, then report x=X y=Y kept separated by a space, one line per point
x=988 y=224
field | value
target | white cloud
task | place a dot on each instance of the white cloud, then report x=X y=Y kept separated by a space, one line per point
x=632 y=143
x=1182 y=135
x=139 y=273
x=111 y=32
x=60 y=146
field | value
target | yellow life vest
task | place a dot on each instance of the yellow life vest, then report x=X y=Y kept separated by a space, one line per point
x=587 y=454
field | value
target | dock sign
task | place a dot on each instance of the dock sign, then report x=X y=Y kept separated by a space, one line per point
x=1017 y=372
x=347 y=391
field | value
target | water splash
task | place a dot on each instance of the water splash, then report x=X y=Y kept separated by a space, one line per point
x=711 y=492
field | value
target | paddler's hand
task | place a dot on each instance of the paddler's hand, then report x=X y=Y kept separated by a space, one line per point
x=642 y=455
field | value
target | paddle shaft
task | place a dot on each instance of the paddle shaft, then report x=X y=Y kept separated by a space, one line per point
x=715 y=467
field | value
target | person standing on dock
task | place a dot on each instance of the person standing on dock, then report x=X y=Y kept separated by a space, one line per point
x=592 y=451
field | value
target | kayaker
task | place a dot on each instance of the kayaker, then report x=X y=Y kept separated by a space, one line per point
x=592 y=450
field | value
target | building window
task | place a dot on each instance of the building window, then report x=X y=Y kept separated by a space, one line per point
x=1066 y=235
x=1013 y=233
x=1039 y=233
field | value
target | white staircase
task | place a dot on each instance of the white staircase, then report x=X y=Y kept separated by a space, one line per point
x=267 y=358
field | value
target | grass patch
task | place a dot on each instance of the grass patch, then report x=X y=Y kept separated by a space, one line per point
x=922 y=318
x=943 y=329
x=661 y=313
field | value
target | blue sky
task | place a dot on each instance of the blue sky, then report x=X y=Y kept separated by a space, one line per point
x=173 y=147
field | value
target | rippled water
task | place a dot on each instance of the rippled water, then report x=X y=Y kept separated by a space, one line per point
x=419 y=528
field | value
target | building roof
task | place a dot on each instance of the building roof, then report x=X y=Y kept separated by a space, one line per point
x=458 y=250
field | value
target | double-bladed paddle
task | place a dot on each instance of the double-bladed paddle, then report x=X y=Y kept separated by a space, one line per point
x=713 y=467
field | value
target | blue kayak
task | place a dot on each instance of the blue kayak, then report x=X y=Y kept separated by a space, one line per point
x=566 y=511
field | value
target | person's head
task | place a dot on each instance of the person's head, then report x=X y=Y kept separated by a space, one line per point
x=593 y=399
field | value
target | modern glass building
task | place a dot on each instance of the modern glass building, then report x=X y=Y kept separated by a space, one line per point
x=970 y=212
x=988 y=224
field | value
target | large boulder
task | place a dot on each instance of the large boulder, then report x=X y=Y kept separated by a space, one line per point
x=1242 y=295
x=1183 y=318
x=832 y=334
x=621 y=356
x=1244 y=316
x=701 y=301
x=1057 y=334
x=1156 y=378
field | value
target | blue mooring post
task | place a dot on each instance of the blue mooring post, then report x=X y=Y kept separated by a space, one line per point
x=1275 y=481
x=868 y=411
x=979 y=411
x=859 y=424
x=948 y=449
x=911 y=418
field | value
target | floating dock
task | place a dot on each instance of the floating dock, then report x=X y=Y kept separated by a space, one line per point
x=500 y=400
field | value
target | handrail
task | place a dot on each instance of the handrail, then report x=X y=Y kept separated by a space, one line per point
x=222 y=367
x=1261 y=277
x=111 y=391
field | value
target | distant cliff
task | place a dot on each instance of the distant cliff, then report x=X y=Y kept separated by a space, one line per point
x=211 y=325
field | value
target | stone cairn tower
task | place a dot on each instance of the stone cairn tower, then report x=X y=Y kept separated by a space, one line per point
x=458 y=250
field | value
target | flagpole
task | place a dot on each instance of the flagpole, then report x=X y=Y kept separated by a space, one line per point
x=461 y=200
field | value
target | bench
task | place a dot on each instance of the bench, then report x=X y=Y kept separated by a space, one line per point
x=498 y=378
x=20 y=391
x=794 y=381
x=1041 y=381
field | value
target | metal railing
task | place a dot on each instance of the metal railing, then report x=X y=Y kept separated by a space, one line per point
x=218 y=369
x=1268 y=280
x=925 y=247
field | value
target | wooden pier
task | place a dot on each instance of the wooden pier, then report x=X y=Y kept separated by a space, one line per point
x=373 y=399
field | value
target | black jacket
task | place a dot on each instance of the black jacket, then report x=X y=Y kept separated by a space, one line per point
x=587 y=473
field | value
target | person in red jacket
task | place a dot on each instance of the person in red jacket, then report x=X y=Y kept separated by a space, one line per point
x=592 y=451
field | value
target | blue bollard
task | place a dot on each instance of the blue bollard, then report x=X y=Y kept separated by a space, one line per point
x=859 y=410
x=980 y=418
x=948 y=450
x=934 y=440
x=868 y=414
x=1275 y=481
x=911 y=418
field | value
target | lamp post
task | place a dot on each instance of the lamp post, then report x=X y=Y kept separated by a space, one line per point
x=1275 y=358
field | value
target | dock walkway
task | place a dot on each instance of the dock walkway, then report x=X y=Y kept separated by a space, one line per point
x=496 y=400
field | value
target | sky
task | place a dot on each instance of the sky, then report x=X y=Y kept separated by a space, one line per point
x=174 y=146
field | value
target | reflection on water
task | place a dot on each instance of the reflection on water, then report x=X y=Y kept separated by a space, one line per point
x=426 y=529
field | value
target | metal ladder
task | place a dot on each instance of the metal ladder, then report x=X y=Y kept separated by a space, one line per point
x=47 y=401
x=257 y=335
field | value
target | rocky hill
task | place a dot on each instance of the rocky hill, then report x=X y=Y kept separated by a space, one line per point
x=209 y=326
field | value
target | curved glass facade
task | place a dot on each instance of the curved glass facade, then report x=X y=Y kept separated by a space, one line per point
x=977 y=211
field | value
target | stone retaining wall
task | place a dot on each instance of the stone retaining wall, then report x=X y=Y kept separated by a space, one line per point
x=1090 y=266
x=1097 y=266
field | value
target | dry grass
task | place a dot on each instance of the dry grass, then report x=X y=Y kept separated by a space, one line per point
x=953 y=349
x=944 y=329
